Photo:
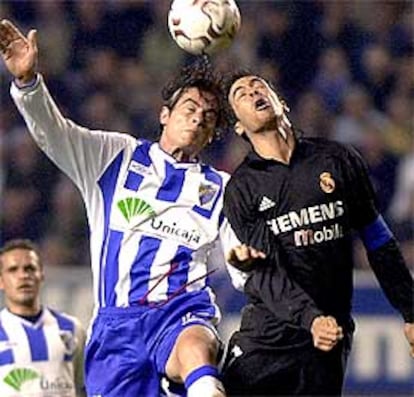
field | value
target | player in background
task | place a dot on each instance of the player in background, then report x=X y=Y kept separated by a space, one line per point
x=298 y=200
x=41 y=350
x=155 y=215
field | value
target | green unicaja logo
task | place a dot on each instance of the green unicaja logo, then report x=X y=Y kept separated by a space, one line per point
x=16 y=377
x=133 y=206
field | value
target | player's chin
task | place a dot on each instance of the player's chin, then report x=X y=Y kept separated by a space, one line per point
x=27 y=296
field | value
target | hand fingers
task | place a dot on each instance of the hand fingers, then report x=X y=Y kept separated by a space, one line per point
x=326 y=333
x=11 y=31
x=254 y=253
x=32 y=37
x=3 y=37
x=8 y=34
x=326 y=341
x=236 y=254
x=244 y=253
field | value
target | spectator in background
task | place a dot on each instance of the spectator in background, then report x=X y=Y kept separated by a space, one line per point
x=89 y=31
x=65 y=239
x=333 y=77
x=378 y=77
x=382 y=165
x=356 y=112
x=42 y=349
x=398 y=131
x=312 y=116
x=141 y=99
x=156 y=41
x=28 y=178
x=338 y=28
x=100 y=110
x=404 y=84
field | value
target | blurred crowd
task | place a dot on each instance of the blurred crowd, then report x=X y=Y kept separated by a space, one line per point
x=346 y=69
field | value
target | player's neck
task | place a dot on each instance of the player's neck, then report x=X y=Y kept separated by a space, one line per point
x=179 y=154
x=273 y=146
x=24 y=310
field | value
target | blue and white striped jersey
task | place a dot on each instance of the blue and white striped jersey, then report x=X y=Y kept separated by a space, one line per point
x=156 y=224
x=43 y=358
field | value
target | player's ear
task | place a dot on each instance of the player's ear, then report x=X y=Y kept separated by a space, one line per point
x=239 y=129
x=164 y=115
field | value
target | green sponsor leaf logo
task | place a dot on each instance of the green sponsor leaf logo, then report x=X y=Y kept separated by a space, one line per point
x=133 y=206
x=16 y=377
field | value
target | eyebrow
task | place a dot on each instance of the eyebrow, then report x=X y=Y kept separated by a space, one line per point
x=251 y=82
x=212 y=109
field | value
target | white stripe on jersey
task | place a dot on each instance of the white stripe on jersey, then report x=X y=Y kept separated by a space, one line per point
x=13 y=326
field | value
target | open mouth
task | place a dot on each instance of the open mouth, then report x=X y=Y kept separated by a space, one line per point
x=261 y=104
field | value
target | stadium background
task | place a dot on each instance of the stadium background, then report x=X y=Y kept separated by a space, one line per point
x=346 y=68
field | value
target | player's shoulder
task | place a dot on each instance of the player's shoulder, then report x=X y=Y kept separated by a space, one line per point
x=224 y=175
x=249 y=165
x=324 y=144
x=329 y=147
x=63 y=317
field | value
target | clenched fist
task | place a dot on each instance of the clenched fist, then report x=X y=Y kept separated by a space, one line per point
x=326 y=333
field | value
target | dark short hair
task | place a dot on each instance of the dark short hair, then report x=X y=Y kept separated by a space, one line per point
x=24 y=244
x=199 y=74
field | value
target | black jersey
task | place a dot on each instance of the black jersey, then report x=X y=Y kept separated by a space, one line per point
x=302 y=214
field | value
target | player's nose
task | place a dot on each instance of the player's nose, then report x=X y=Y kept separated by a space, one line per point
x=198 y=119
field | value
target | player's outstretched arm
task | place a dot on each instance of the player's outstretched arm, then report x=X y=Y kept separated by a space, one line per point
x=19 y=53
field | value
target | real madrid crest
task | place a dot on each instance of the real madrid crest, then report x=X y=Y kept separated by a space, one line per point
x=326 y=182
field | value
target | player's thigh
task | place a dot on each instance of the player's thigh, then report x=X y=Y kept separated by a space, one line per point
x=117 y=362
x=323 y=373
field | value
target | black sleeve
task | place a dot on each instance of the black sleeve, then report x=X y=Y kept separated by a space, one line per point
x=361 y=198
x=269 y=283
x=394 y=277
x=384 y=255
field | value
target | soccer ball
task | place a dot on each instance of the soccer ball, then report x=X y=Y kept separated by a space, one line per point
x=203 y=26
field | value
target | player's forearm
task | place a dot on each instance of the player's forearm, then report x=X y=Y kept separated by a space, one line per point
x=394 y=277
x=389 y=266
x=43 y=118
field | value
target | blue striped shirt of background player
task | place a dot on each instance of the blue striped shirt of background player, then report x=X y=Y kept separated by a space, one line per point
x=42 y=357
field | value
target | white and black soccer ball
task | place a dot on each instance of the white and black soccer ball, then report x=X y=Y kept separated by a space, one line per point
x=203 y=26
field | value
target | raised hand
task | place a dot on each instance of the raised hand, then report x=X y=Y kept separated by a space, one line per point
x=326 y=333
x=244 y=257
x=19 y=53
